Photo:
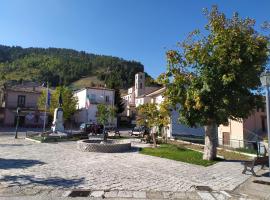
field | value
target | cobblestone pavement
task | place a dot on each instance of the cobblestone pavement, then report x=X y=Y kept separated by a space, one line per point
x=121 y=195
x=29 y=168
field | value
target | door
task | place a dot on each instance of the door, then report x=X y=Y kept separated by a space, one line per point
x=226 y=138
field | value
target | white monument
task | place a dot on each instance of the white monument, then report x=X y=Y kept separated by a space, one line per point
x=58 y=120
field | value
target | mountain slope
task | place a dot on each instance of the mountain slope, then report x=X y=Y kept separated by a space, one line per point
x=67 y=67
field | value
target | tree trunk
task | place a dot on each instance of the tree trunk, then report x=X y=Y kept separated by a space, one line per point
x=210 y=147
x=153 y=134
x=105 y=136
x=154 y=139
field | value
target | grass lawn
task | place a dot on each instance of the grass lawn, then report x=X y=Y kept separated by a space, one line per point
x=228 y=155
x=178 y=153
x=244 y=150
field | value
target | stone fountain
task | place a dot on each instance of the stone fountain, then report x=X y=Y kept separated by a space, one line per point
x=98 y=145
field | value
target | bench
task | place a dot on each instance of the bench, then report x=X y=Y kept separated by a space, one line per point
x=249 y=165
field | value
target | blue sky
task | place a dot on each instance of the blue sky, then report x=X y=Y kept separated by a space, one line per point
x=140 y=30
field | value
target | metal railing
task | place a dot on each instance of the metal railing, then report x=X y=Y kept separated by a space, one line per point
x=245 y=146
x=14 y=104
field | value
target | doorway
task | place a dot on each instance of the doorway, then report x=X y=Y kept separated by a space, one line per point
x=226 y=138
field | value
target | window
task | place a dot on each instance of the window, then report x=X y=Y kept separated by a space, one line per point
x=21 y=101
x=140 y=85
x=107 y=99
x=140 y=76
x=263 y=124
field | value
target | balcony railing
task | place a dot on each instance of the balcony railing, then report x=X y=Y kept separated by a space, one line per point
x=13 y=104
x=100 y=102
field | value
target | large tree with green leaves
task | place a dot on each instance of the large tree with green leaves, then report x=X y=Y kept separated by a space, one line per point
x=105 y=114
x=153 y=116
x=69 y=101
x=214 y=77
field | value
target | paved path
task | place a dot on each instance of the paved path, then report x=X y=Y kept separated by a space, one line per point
x=28 y=167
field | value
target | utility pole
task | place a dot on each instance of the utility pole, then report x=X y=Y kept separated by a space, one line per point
x=268 y=123
x=17 y=123
x=265 y=80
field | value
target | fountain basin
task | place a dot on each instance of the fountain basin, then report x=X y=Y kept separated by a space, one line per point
x=96 y=145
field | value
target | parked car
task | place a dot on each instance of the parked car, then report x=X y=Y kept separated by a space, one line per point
x=91 y=128
x=112 y=130
x=139 y=131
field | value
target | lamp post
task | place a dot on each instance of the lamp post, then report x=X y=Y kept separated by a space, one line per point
x=17 y=123
x=46 y=103
x=265 y=80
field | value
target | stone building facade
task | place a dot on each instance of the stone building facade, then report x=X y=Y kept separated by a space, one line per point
x=25 y=96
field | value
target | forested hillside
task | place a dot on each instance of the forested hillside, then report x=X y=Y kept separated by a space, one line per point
x=66 y=66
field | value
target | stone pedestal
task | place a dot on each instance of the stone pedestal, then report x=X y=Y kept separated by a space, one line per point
x=58 y=120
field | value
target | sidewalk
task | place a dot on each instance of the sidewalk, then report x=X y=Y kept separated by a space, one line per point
x=248 y=190
x=256 y=190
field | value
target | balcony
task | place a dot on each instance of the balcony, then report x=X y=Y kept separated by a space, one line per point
x=27 y=105
x=100 y=101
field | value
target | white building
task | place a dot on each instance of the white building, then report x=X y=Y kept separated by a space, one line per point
x=174 y=128
x=235 y=134
x=137 y=95
x=87 y=109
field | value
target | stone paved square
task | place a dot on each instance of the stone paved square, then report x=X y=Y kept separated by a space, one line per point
x=34 y=166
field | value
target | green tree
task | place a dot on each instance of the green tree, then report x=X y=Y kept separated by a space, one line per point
x=112 y=113
x=103 y=116
x=153 y=116
x=69 y=101
x=118 y=102
x=164 y=116
x=214 y=77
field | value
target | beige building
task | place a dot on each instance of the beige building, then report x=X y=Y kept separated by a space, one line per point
x=238 y=133
x=25 y=96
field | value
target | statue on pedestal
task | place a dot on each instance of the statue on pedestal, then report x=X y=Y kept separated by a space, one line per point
x=58 y=117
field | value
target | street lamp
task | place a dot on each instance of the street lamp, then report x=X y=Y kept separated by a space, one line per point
x=265 y=80
x=17 y=123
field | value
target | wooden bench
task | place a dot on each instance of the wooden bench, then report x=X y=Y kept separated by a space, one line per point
x=249 y=165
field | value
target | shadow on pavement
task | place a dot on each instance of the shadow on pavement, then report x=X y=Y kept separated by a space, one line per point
x=13 y=145
x=267 y=174
x=233 y=161
x=24 y=180
x=18 y=163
